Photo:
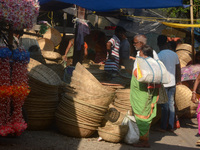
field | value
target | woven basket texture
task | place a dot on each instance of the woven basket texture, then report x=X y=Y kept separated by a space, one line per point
x=184 y=56
x=57 y=68
x=190 y=112
x=46 y=44
x=184 y=47
x=39 y=123
x=84 y=72
x=51 y=55
x=183 y=97
x=53 y=35
x=88 y=87
x=83 y=105
x=43 y=73
x=77 y=108
x=123 y=91
x=73 y=130
x=85 y=79
x=78 y=115
x=113 y=133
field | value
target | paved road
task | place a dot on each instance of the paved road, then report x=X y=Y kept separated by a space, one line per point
x=183 y=139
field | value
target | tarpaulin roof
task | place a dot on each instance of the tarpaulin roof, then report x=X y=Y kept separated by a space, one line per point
x=111 y=5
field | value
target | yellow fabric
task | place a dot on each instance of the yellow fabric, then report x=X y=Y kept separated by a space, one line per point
x=139 y=73
x=178 y=25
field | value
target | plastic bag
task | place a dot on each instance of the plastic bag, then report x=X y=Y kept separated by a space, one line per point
x=133 y=134
x=150 y=70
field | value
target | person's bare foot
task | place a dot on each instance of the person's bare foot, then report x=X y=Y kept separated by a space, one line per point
x=142 y=144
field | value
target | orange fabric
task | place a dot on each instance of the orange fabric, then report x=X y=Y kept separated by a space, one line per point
x=85 y=45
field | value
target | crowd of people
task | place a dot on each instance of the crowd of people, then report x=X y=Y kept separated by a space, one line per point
x=143 y=96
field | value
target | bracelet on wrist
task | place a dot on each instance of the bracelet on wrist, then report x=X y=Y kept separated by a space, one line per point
x=193 y=92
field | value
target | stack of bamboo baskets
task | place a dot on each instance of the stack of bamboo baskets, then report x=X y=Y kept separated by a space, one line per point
x=83 y=107
x=42 y=101
x=122 y=100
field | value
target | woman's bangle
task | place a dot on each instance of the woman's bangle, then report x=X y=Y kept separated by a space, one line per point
x=193 y=92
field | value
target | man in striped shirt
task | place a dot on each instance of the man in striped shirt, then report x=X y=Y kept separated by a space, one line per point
x=112 y=62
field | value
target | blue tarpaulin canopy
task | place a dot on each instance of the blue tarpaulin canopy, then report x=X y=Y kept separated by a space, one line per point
x=110 y=5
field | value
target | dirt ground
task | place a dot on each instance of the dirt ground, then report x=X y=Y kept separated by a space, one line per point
x=182 y=139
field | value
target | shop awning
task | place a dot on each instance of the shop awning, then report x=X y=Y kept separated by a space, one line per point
x=111 y=5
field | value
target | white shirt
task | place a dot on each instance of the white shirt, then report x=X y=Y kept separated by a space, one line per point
x=155 y=56
x=170 y=60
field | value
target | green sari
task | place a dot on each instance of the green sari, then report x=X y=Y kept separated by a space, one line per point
x=144 y=105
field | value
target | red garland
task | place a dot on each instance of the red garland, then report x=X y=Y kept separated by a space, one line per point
x=12 y=88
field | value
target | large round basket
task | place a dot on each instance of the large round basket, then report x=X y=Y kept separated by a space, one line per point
x=53 y=35
x=183 y=97
x=73 y=128
x=184 y=47
x=43 y=73
x=184 y=56
x=51 y=55
x=46 y=44
x=113 y=133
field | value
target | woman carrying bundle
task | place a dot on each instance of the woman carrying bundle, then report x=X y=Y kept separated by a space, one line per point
x=143 y=98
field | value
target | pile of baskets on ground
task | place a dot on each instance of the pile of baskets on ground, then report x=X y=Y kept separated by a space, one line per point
x=122 y=100
x=42 y=101
x=83 y=105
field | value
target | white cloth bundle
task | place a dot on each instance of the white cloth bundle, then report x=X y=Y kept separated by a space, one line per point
x=150 y=70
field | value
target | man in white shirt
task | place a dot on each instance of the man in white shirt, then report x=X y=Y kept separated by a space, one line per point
x=171 y=61
x=138 y=41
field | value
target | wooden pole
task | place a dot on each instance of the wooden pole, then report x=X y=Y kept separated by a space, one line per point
x=192 y=30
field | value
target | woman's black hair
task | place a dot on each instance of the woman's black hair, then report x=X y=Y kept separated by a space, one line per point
x=147 y=50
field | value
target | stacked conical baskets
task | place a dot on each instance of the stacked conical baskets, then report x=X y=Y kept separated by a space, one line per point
x=184 y=52
x=81 y=110
x=42 y=101
x=122 y=100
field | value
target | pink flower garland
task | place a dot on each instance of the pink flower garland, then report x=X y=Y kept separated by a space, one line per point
x=20 y=13
x=13 y=87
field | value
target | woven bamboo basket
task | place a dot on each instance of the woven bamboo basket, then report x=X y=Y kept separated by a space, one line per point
x=184 y=56
x=51 y=55
x=76 y=115
x=83 y=105
x=183 y=97
x=88 y=82
x=84 y=72
x=123 y=91
x=57 y=68
x=81 y=108
x=113 y=133
x=182 y=63
x=43 y=73
x=73 y=128
x=114 y=116
x=184 y=47
x=88 y=87
x=190 y=111
x=39 y=123
x=46 y=44
x=53 y=35
x=51 y=61
x=102 y=100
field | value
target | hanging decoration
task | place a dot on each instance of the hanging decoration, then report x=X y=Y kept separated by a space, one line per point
x=20 y=13
x=14 y=89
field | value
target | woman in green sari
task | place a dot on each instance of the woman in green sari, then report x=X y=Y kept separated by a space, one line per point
x=143 y=98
